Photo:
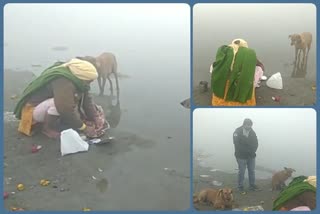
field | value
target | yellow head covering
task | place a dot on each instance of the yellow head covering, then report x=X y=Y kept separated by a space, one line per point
x=236 y=44
x=312 y=180
x=82 y=69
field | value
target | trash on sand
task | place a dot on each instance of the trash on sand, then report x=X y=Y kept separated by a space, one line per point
x=276 y=98
x=20 y=187
x=14 y=97
x=313 y=88
x=216 y=183
x=214 y=170
x=169 y=169
x=9 y=117
x=204 y=176
x=86 y=209
x=44 y=182
x=5 y=195
x=253 y=208
x=275 y=81
x=13 y=193
x=94 y=178
x=71 y=142
x=8 y=180
x=263 y=78
x=261 y=202
x=99 y=141
x=16 y=209
x=100 y=170
x=35 y=148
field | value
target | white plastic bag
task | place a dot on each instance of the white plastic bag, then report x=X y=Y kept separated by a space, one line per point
x=275 y=81
x=71 y=142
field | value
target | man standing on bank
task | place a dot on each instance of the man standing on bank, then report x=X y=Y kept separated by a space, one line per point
x=246 y=144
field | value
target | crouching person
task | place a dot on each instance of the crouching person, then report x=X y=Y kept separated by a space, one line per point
x=59 y=99
x=299 y=195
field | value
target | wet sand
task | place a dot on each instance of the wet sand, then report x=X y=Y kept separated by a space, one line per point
x=263 y=198
x=126 y=174
x=295 y=92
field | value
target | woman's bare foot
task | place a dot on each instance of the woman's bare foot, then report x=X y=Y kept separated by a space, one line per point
x=51 y=133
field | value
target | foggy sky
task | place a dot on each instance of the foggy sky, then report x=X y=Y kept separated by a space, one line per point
x=287 y=137
x=151 y=43
x=141 y=35
x=265 y=27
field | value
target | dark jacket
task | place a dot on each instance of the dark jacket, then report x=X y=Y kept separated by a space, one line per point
x=67 y=100
x=245 y=147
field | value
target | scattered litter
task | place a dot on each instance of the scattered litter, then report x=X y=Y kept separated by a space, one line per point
x=170 y=171
x=55 y=181
x=71 y=142
x=55 y=186
x=263 y=78
x=44 y=182
x=35 y=148
x=14 y=97
x=16 y=209
x=13 y=193
x=276 y=98
x=94 y=178
x=63 y=189
x=217 y=183
x=313 y=88
x=99 y=141
x=9 y=117
x=275 y=81
x=169 y=137
x=253 y=208
x=20 y=187
x=204 y=176
x=214 y=170
x=5 y=195
x=261 y=202
x=100 y=170
x=8 y=180
x=86 y=209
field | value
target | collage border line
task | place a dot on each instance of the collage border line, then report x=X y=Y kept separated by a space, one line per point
x=191 y=4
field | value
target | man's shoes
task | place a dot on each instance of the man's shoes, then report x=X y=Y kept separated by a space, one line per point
x=254 y=188
x=241 y=190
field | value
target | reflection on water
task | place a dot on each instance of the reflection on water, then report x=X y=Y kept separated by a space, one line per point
x=300 y=67
x=102 y=185
x=112 y=111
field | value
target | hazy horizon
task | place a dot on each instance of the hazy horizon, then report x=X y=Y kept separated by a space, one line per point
x=287 y=137
x=265 y=26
